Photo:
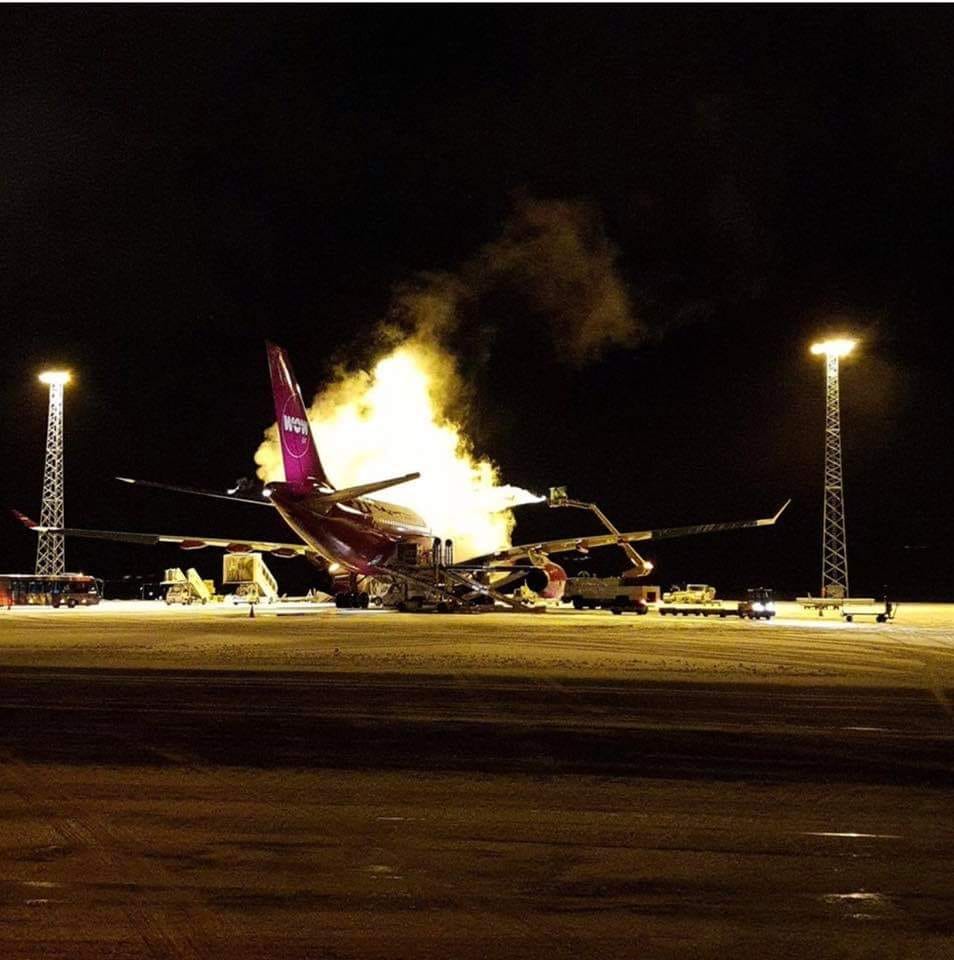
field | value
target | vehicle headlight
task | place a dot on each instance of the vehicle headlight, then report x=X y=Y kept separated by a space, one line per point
x=758 y=606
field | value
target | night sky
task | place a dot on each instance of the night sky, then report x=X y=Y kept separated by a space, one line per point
x=178 y=184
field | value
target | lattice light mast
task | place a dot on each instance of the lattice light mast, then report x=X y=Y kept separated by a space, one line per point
x=50 y=551
x=834 y=580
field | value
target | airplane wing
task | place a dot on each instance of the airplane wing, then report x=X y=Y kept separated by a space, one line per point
x=332 y=496
x=198 y=491
x=186 y=543
x=583 y=544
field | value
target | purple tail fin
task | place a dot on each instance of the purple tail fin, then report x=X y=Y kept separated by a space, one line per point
x=302 y=466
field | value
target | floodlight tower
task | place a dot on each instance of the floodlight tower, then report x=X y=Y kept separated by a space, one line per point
x=834 y=582
x=50 y=551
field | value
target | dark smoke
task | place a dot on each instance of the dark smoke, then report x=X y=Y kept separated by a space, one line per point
x=554 y=271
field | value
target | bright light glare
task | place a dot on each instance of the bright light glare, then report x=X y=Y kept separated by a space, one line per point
x=840 y=347
x=393 y=420
x=55 y=376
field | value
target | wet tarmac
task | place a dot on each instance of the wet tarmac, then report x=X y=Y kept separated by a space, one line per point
x=473 y=787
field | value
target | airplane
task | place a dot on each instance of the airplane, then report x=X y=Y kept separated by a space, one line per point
x=367 y=548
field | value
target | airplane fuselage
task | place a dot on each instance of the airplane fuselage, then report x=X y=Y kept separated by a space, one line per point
x=361 y=534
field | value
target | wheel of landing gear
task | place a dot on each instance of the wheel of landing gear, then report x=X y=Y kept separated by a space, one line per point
x=363 y=601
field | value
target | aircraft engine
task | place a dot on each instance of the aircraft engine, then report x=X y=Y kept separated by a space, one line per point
x=547 y=580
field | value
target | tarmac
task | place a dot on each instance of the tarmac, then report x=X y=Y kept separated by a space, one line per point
x=312 y=782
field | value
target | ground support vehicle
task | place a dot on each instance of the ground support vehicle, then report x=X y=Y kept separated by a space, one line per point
x=693 y=593
x=430 y=580
x=714 y=609
x=62 y=590
x=881 y=612
x=187 y=588
x=253 y=581
x=618 y=594
x=821 y=604
x=721 y=608
x=759 y=604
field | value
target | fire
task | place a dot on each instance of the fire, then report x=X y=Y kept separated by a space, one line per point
x=390 y=421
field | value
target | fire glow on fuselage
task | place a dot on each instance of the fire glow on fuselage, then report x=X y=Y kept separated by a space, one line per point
x=395 y=419
x=360 y=534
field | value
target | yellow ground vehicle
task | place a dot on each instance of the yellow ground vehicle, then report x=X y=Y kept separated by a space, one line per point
x=187 y=588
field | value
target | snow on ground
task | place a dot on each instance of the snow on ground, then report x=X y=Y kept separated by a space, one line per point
x=797 y=647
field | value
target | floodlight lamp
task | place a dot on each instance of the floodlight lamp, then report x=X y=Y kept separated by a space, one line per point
x=51 y=377
x=839 y=347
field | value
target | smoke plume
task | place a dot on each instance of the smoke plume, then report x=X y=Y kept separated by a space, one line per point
x=553 y=263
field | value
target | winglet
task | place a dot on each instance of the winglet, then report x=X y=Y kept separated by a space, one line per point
x=25 y=520
x=770 y=521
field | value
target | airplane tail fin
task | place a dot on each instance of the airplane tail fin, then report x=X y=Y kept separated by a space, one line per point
x=302 y=464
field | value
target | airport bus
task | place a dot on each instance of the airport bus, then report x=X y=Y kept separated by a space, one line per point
x=68 y=589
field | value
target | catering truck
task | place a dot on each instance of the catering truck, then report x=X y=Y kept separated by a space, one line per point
x=253 y=582
x=186 y=588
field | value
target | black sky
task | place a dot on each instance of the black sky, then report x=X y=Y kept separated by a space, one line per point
x=179 y=183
